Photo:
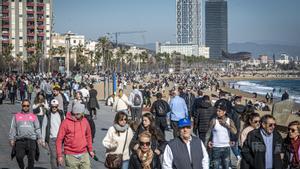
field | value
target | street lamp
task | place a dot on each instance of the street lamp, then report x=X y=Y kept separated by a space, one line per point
x=68 y=53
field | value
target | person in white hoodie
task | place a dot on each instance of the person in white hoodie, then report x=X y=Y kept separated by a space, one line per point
x=121 y=102
x=118 y=138
x=136 y=100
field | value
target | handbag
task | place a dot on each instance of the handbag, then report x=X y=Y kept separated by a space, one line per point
x=114 y=161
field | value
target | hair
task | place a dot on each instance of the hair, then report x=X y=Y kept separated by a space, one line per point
x=152 y=127
x=159 y=95
x=199 y=92
x=119 y=116
x=37 y=99
x=265 y=118
x=91 y=86
x=205 y=98
x=25 y=100
x=295 y=123
x=249 y=118
x=146 y=134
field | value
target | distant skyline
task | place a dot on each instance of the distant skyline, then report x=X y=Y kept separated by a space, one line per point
x=259 y=21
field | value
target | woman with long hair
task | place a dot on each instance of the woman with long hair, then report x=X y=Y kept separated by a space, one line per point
x=40 y=106
x=252 y=122
x=144 y=157
x=158 y=141
x=118 y=137
x=291 y=146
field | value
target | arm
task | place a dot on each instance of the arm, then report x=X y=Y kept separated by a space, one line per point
x=247 y=152
x=232 y=127
x=208 y=133
x=37 y=128
x=44 y=127
x=88 y=136
x=12 y=131
x=205 y=160
x=60 y=136
x=167 y=158
x=108 y=139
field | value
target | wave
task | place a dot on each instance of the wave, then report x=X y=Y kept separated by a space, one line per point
x=254 y=87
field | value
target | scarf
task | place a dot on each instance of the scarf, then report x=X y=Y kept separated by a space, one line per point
x=145 y=158
x=295 y=144
x=119 y=128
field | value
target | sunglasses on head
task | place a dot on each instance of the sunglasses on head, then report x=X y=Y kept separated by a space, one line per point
x=25 y=105
x=144 y=143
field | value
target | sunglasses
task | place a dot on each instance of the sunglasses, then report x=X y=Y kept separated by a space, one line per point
x=55 y=107
x=123 y=119
x=292 y=130
x=272 y=125
x=25 y=105
x=256 y=121
x=144 y=143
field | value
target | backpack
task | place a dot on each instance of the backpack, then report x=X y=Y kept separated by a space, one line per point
x=137 y=100
x=160 y=110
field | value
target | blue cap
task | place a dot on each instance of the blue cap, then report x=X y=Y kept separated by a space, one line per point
x=184 y=123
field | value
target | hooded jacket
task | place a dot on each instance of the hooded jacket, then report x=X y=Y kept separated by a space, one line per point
x=75 y=135
x=202 y=116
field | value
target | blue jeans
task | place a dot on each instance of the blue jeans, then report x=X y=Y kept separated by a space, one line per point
x=220 y=157
x=125 y=164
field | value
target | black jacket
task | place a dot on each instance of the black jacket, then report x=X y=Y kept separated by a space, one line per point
x=160 y=104
x=202 y=116
x=135 y=163
x=254 y=149
x=155 y=143
x=48 y=114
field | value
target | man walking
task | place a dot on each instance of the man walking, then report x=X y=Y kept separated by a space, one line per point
x=75 y=137
x=185 y=151
x=263 y=147
x=178 y=111
x=24 y=135
x=136 y=100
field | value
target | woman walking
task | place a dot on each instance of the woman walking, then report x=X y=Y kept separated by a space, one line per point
x=117 y=139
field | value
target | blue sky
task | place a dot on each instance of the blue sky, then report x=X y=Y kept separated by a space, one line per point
x=261 y=21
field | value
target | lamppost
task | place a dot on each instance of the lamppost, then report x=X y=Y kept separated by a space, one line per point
x=67 y=59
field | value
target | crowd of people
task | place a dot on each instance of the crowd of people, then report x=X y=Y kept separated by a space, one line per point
x=205 y=130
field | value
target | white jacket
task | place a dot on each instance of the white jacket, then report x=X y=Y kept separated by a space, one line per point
x=121 y=103
x=112 y=137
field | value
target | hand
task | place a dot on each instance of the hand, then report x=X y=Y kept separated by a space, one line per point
x=136 y=147
x=39 y=141
x=12 y=143
x=157 y=151
x=92 y=154
x=210 y=144
x=60 y=161
x=44 y=144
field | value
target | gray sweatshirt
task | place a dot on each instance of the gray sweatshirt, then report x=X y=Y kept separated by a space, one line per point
x=25 y=125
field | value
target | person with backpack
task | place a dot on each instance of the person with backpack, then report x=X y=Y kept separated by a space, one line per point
x=160 y=108
x=218 y=137
x=136 y=100
x=50 y=129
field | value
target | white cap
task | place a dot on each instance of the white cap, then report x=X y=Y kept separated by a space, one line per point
x=54 y=102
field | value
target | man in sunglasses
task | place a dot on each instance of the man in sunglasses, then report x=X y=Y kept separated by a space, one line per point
x=24 y=135
x=50 y=130
x=185 y=151
x=263 y=147
x=75 y=135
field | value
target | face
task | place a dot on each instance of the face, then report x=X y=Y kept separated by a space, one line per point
x=26 y=106
x=145 y=144
x=185 y=132
x=122 y=122
x=41 y=96
x=255 y=122
x=269 y=126
x=78 y=96
x=78 y=116
x=146 y=122
x=220 y=113
x=293 y=131
x=54 y=108
x=55 y=92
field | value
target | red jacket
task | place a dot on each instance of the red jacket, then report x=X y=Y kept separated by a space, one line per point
x=76 y=136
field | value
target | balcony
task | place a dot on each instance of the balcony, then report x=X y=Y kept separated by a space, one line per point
x=5 y=18
x=5 y=33
x=5 y=26
x=30 y=4
x=30 y=12
x=40 y=12
x=6 y=11
x=31 y=19
x=31 y=34
x=40 y=4
x=5 y=41
x=41 y=27
x=30 y=49
x=41 y=34
x=41 y=19
x=30 y=26
x=5 y=3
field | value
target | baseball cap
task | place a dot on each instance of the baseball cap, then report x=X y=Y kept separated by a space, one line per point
x=184 y=123
x=54 y=102
x=221 y=105
x=78 y=108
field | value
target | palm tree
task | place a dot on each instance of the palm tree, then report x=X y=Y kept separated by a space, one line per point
x=129 y=60
x=52 y=52
x=7 y=54
x=102 y=47
x=80 y=57
x=120 y=57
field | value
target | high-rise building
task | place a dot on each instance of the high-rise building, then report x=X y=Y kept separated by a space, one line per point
x=189 y=22
x=216 y=29
x=25 y=22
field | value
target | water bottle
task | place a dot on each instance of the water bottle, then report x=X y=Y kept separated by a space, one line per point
x=95 y=157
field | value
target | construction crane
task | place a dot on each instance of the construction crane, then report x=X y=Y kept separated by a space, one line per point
x=128 y=32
